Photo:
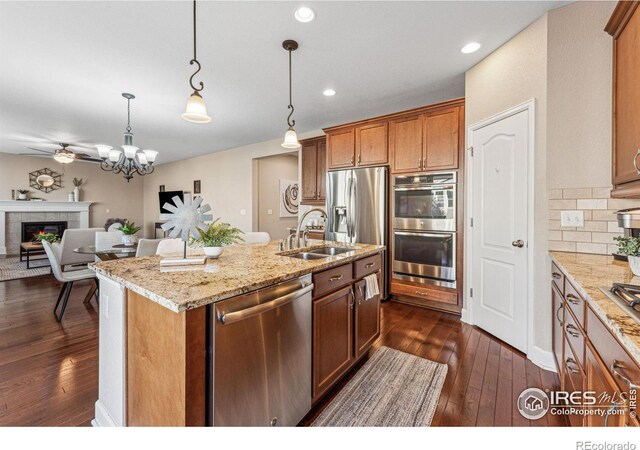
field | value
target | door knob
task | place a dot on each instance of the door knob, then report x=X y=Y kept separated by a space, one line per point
x=519 y=243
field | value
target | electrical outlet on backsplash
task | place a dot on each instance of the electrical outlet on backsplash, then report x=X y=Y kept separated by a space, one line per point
x=598 y=210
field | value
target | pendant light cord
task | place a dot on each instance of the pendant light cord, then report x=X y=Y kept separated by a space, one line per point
x=290 y=122
x=195 y=60
x=128 y=115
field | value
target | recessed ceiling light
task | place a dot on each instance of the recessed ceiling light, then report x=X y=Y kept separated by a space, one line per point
x=304 y=14
x=328 y=92
x=470 y=47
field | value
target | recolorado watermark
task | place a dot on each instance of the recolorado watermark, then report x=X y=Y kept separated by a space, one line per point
x=590 y=445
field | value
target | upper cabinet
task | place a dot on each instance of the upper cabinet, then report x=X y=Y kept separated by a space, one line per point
x=624 y=26
x=423 y=139
x=314 y=171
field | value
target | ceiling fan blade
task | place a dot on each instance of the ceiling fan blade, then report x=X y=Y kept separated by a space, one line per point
x=86 y=157
x=43 y=151
x=34 y=154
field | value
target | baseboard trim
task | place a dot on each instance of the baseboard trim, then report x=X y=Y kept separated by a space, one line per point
x=542 y=358
x=465 y=316
x=103 y=418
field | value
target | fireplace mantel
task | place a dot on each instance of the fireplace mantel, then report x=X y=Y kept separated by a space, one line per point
x=11 y=206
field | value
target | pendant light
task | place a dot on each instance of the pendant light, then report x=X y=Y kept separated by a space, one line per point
x=196 y=108
x=290 y=137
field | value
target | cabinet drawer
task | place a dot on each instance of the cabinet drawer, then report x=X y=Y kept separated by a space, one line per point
x=615 y=357
x=575 y=303
x=573 y=381
x=557 y=277
x=366 y=266
x=424 y=293
x=575 y=337
x=332 y=279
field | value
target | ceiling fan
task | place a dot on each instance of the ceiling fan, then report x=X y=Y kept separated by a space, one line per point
x=63 y=154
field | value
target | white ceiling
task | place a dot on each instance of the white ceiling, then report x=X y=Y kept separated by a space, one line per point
x=63 y=66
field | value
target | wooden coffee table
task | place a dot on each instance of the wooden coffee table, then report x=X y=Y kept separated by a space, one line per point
x=30 y=249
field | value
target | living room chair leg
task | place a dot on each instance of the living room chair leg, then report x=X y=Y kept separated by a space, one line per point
x=62 y=291
x=64 y=302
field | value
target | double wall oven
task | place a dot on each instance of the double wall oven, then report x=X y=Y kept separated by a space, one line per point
x=424 y=228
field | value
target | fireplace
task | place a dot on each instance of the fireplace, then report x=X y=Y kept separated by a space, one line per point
x=31 y=229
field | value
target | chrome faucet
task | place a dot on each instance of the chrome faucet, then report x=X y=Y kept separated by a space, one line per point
x=304 y=216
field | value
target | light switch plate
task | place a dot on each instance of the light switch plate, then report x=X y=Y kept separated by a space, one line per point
x=572 y=218
x=269 y=211
x=243 y=212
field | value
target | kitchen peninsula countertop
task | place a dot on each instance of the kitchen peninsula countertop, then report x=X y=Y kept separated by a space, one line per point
x=588 y=273
x=240 y=269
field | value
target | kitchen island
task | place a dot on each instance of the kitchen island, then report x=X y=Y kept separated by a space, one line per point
x=156 y=325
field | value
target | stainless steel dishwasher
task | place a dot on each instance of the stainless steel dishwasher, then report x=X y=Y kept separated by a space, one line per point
x=261 y=356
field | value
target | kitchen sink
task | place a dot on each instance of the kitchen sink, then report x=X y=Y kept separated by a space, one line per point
x=330 y=251
x=307 y=256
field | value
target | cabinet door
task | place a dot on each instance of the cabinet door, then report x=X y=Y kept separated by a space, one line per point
x=332 y=338
x=341 y=148
x=367 y=318
x=609 y=397
x=406 y=143
x=309 y=171
x=557 y=329
x=626 y=132
x=371 y=144
x=321 y=173
x=442 y=140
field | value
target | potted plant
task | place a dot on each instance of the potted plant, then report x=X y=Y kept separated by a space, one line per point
x=216 y=236
x=77 y=182
x=22 y=194
x=630 y=246
x=49 y=237
x=129 y=230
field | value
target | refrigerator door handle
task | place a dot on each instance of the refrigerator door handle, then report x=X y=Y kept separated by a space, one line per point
x=354 y=216
x=348 y=205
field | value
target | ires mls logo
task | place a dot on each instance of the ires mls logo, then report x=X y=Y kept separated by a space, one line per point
x=533 y=403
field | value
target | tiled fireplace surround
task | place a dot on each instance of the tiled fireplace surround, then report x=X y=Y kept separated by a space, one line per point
x=600 y=224
x=13 y=213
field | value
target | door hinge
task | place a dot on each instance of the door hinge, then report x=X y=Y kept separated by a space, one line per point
x=471 y=292
x=471 y=221
x=471 y=150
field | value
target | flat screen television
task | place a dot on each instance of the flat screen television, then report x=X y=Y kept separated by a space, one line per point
x=167 y=197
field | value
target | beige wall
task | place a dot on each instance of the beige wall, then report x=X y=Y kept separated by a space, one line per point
x=226 y=181
x=511 y=75
x=106 y=190
x=579 y=96
x=269 y=171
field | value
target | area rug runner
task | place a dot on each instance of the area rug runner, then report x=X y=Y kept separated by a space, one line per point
x=11 y=268
x=393 y=389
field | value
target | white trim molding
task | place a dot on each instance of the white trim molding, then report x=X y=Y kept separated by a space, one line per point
x=11 y=206
x=537 y=355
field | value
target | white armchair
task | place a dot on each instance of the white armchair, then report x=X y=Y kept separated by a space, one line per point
x=147 y=247
x=256 y=237
x=72 y=239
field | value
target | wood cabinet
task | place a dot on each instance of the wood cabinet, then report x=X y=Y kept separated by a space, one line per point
x=598 y=380
x=557 y=329
x=371 y=145
x=345 y=322
x=624 y=26
x=341 y=149
x=406 y=143
x=314 y=171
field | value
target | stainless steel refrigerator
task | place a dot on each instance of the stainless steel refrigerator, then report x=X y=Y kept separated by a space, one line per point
x=357 y=209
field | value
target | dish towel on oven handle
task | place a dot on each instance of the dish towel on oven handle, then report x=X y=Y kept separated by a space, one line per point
x=372 y=287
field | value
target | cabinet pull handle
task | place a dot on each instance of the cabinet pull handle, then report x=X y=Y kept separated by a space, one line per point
x=424 y=294
x=335 y=278
x=369 y=265
x=352 y=302
x=352 y=159
x=573 y=331
x=358 y=158
x=420 y=163
x=615 y=365
x=558 y=312
x=572 y=365
x=556 y=275
x=615 y=405
x=573 y=299
x=635 y=161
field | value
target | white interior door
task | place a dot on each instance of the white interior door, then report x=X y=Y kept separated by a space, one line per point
x=499 y=232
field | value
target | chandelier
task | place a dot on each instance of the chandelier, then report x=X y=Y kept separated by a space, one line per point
x=131 y=161
x=290 y=137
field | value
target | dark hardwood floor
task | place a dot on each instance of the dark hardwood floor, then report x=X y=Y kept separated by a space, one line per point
x=49 y=371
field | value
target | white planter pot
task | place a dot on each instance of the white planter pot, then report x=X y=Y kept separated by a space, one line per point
x=129 y=239
x=212 y=252
x=76 y=194
x=22 y=196
x=634 y=264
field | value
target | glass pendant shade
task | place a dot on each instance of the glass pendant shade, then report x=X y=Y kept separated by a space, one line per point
x=114 y=155
x=196 y=110
x=130 y=151
x=63 y=158
x=103 y=150
x=291 y=139
x=142 y=159
x=150 y=155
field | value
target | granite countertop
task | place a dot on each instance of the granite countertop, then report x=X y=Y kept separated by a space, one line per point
x=588 y=273
x=240 y=269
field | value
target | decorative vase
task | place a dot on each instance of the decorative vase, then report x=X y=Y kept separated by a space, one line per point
x=76 y=193
x=634 y=264
x=71 y=197
x=212 y=252
x=22 y=196
x=129 y=240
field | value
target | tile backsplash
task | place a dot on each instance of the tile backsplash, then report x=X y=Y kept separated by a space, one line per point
x=600 y=224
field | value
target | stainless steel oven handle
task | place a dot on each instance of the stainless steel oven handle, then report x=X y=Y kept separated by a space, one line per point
x=440 y=187
x=411 y=233
x=227 y=318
